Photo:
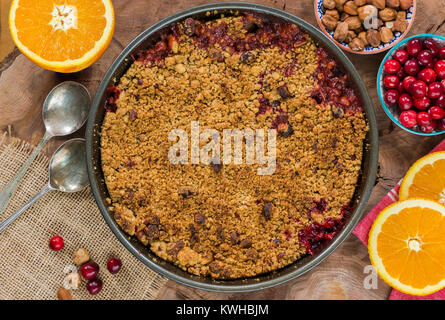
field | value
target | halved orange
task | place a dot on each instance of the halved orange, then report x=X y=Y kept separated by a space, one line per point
x=62 y=35
x=407 y=246
x=425 y=179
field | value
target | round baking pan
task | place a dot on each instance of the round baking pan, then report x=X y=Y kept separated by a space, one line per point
x=120 y=66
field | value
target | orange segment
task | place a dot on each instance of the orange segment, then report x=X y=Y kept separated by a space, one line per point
x=62 y=35
x=407 y=246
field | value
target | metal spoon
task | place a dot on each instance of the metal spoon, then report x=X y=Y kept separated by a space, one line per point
x=65 y=110
x=67 y=173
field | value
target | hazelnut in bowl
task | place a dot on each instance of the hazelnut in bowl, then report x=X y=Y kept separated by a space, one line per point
x=411 y=84
x=365 y=26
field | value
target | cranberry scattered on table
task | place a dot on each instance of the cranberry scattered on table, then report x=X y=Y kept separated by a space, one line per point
x=94 y=286
x=114 y=265
x=56 y=243
x=89 y=270
x=414 y=81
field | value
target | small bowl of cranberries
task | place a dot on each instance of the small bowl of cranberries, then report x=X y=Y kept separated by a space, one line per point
x=411 y=84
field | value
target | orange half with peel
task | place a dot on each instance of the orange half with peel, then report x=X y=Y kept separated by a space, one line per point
x=407 y=246
x=425 y=179
x=62 y=35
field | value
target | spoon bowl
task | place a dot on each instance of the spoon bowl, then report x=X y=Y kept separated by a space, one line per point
x=67 y=173
x=67 y=169
x=65 y=109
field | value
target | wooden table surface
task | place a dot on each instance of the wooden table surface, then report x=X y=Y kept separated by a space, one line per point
x=23 y=87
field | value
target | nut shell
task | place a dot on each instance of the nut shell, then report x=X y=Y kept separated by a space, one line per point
x=341 y=32
x=373 y=37
x=329 y=22
x=357 y=44
x=387 y=14
x=81 y=256
x=386 y=34
x=405 y=4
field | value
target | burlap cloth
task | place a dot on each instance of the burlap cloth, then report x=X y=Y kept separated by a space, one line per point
x=29 y=269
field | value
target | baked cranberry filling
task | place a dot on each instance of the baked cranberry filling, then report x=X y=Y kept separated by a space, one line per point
x=316 y=235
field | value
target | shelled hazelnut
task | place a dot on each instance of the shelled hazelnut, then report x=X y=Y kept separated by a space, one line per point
x=362 y=23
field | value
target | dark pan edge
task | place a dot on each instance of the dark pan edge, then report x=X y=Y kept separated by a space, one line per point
x=251 y=284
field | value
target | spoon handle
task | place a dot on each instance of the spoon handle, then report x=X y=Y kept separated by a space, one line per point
x=15 y=215
x=8 y=191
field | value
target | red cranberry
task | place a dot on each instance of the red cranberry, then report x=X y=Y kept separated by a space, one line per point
x=401 y=56
x=56 y=243
x=423 y=119
x=405 y=102
x=392 y=66
x=94 y=286
x=391 y=81
x=418 y=89
x=435 y=90
x=391 y=96
x=429 y=128
x=414 y=47
x=114 y=265
x=408 y=118
x=425 y=57
x=442 y=53
x=431 y=45
x=440 y=101
x=439 y=67
x=411 y=67
x=422 y=103
x=89 y=270
x=436 y=112
x=427 y=75
x=401 y=73
x=441 y=124
x=407 y=82
x=400 y=87
x=443 y=84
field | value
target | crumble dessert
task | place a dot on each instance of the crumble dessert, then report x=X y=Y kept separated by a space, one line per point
x=226 y=221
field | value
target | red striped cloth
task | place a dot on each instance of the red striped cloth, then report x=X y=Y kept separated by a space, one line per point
x=363 y=227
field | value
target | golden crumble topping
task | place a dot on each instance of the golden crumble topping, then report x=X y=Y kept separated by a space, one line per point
x=226 y=221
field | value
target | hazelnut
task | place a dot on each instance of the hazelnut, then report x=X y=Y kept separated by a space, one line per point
x=392 y=3
x=341 y=31
x=329 y=22
x=401 y=15
x=357 y=44
x=400 y=25
x=365 y=11
x=329 y=4
x=379 y=4
x=81 y=256
x=386 y=34
x=373 y=37
x=344 y=16
x=63 y=294
x=360 y=3
x=350 y=8
x=339 y=4
x=333 y=13
x=349 y=36
x=405 y=4
x=387 y=14
x=73 y=280
x=362 y=36
x=354 y=23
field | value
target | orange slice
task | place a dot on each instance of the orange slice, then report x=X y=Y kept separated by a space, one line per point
x=425 y=179
x=62 y=35
x=407 y=246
